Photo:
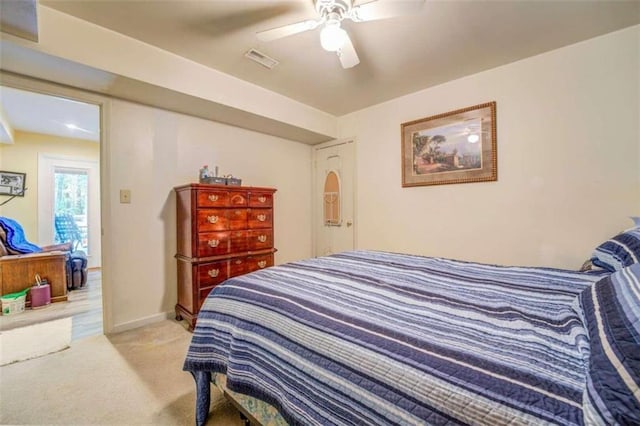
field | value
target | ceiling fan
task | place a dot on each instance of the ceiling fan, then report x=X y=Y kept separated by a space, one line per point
x=471 y=129
x=330 y=15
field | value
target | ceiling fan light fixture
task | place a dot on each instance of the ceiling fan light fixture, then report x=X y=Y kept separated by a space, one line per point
x=473 y=138
x=332 y=37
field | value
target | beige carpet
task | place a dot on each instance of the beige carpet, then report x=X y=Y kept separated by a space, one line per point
x=131 y=378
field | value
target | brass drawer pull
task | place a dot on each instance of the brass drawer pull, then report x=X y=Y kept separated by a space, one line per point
x=213 y=197
x=262 y=238
x=238 y=262
x=213 y=272
x=213 y=243
x=262 y=198
x=262 y=264
x=262 y=217
x=212 y=219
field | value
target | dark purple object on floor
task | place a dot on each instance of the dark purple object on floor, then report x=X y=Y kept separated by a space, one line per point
x=40 y=296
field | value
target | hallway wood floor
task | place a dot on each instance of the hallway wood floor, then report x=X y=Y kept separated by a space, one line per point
x=83 y=305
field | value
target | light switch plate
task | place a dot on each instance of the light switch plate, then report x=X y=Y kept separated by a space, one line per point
x=125 y=196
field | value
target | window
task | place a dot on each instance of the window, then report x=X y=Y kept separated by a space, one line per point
x=332 y=199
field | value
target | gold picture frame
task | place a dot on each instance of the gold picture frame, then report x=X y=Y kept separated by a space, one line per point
x=454 y=147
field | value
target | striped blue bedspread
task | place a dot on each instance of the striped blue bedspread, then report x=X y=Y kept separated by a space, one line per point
x=379 y=338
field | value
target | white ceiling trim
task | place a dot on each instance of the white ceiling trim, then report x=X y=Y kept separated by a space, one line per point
x=73 y=39
x=20 y=18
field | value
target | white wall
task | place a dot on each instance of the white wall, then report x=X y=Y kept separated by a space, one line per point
x=149 y=152
x=568 y=161
x=123 y=57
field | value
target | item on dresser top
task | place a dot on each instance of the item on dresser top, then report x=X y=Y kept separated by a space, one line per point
x=222 y=231
x=233 y=181
x=214 y=180
x=209 y=177
x=204 y=172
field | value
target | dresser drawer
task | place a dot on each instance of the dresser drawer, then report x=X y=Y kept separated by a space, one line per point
x=237 y=266
x=213 y=243
x=237 y=218
x=237 y=199
x=260 y=218
x=212 y=220
x=212 y=273
x=246 y=264
x=238 y=242
x=260 y=239
x=262 y=261
x=213 y=198
x=260 y=199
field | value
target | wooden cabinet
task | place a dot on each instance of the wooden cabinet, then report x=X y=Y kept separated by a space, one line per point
x=18 y=272
x=222 y=232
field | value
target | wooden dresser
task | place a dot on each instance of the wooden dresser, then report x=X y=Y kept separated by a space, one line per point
x=222 y=231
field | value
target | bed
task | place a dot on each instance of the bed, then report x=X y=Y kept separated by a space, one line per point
x=379 y=338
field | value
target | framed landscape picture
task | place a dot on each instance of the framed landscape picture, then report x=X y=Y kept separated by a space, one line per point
x=12 y=183
x=453 y=147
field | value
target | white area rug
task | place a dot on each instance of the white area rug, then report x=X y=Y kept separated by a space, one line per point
x=34 y=340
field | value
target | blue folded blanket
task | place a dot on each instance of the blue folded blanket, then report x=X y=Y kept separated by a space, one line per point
x=16 y=241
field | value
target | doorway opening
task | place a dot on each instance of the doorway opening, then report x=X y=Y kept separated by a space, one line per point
x=55 y=140
x=333 y=197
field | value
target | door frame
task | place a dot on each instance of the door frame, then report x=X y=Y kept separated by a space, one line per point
x=315 y=196
x=22 y=82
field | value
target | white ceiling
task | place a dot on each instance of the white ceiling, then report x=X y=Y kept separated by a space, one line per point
x=448 y=39
x=49 y=115
x=445 y=41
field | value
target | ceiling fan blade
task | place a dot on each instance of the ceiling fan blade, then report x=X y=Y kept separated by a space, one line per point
x=287 y=30
x=347 y=54
x=381 y=9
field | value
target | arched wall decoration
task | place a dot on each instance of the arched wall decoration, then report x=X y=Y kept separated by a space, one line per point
x=331 y=199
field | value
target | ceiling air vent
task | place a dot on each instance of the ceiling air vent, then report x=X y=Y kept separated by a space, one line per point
x=261 y=58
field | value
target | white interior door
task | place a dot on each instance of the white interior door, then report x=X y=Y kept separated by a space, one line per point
x=334 y=194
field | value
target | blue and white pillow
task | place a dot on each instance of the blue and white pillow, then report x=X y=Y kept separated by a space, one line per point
x=618 y=252
x=611 y=315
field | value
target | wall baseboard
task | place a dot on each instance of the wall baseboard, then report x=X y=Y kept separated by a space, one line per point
x=130 y=325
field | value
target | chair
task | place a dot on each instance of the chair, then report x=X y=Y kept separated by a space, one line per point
x=21 y=260
x=67 y=231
